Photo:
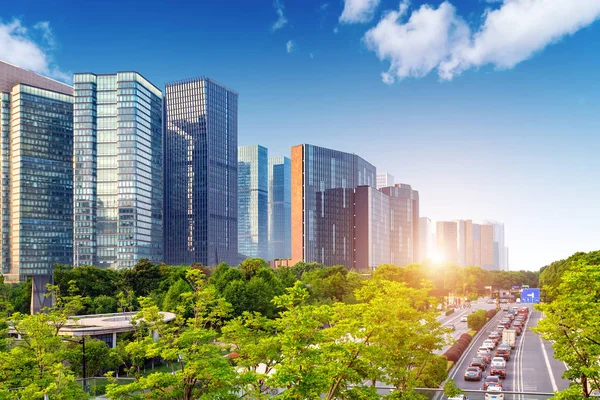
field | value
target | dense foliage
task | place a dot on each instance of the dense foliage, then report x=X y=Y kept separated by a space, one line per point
x=304 y=331
x=550 y=275
x=571 y=323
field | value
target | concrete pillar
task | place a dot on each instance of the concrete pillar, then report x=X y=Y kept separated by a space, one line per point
x=114 y=341
x=39 y=291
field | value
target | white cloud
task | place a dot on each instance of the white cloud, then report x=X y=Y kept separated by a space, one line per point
x=358 y=11
x=440 y=39
x=336 y=30
x=290 y=46
x=281 y=19
x=19 y=47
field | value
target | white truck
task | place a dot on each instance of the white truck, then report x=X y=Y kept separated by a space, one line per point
x=508 y=337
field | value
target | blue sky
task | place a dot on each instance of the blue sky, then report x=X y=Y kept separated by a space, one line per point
x=492 y=112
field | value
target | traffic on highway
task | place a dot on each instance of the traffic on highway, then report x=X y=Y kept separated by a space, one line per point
x=506 y=357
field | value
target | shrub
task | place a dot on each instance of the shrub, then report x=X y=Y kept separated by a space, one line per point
x=452 y=355
x=466 y=336
x=491 y=313
x=449 y=311
x=477 y=319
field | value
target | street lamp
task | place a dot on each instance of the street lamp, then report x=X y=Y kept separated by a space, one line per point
x=83 y=362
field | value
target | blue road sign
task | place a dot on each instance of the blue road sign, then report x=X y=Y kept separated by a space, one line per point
x=530 y=295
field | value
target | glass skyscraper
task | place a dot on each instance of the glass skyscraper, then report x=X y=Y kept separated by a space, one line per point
x=280 y=217
x=36 y=164
x=201 y=173
x=118 y=170
x=323 y=182
x=253 y=187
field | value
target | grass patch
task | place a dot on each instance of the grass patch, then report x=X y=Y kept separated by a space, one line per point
x=449 y=366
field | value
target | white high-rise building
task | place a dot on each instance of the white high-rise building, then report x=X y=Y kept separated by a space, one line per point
x=426 y=239
x=384 y=180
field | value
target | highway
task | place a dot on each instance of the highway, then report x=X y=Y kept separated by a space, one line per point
x=531 y=368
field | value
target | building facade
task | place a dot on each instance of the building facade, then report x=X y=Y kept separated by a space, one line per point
x=118 y=170
x=201 y=173
x=36 y=164
x=253 y=209
x=280 y=217
x=384 y=180
x=466 y=243
x=323 y=182
x=426 y=239
x=447 y=240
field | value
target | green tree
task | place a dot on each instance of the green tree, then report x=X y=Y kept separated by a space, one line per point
x=172 y=299
x=144 y=277
x=477 y=320
x=97 y=354
x=571 y=324
x=250 y=266
x=103 y=304
x=204 y=372
x=33 y=366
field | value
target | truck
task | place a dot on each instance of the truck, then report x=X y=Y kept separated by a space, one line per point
x=508 y=337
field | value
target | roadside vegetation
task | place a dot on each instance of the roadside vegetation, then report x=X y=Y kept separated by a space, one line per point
x=301 y=332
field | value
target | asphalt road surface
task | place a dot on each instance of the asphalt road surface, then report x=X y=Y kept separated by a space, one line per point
x=532 y=367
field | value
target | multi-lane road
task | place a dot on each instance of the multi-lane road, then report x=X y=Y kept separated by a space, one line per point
x=532 y=367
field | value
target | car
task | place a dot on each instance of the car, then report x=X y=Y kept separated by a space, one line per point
x=505 y=308
x=503 y=351
x=451 y=327
x=491 y=380
x=500 y=328
x=459 y=397
x=518 y=330
x=500 y=360
x=479 y=363
x=498 y=369
x=504 y=301
x=494 y=392
x=486 y=356
x=463 y=318
x=473 y=374
x=489 y=344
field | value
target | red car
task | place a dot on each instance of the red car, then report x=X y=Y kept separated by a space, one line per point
x=492 y=380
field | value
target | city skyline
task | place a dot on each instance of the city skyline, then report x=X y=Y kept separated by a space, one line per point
x=494 y=142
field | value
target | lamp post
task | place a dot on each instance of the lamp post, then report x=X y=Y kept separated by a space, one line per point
x=83 y=361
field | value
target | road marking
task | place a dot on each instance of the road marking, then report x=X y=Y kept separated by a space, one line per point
x=547 y=360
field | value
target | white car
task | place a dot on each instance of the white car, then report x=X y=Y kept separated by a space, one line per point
x=463 y=318
x=494 y=393
x=500 y=361
x=489 y=344
x=459 y=397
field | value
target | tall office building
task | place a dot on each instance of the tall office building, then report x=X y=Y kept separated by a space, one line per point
x=465 y=242
x=405 y=212
x=384 y=231
x=447 y=240
x=253 y=188
x=36 y=163
x=118 y=170
x=323 y=183
x=384 y=180
x=201 y=173
x=426 y=239
x=280 y=217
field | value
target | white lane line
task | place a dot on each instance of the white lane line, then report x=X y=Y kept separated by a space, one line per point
x=547 y=360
